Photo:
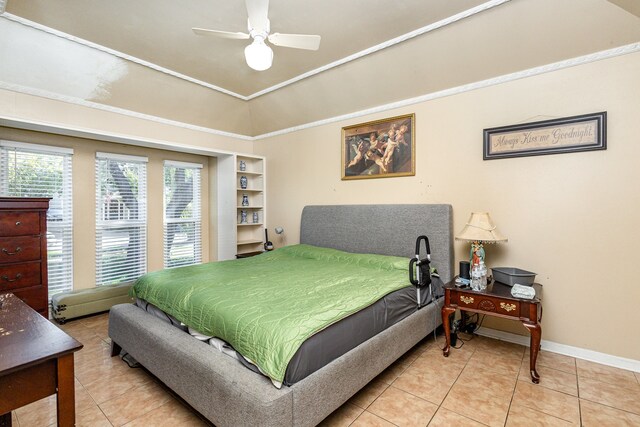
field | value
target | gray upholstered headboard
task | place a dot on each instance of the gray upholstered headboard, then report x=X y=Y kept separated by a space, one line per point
x=382 y=229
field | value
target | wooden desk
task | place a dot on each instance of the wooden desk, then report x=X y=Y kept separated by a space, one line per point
x=36 y=360
x=497 y=301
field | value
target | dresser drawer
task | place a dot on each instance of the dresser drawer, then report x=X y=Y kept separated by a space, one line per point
x=35 y=297
x=14 y=223
x=19 y=249
x=16 y=276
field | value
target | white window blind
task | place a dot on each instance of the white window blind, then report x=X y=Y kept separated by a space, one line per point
x=182 y=218
x=30 y=170
x=121 y=218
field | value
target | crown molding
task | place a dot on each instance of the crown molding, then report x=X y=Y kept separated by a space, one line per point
x=389 y=43
x=556 y=66
x=119 y=54
x=408 y=36
x=83 y=102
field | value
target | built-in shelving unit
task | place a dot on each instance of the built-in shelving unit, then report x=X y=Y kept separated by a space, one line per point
x=234 y=235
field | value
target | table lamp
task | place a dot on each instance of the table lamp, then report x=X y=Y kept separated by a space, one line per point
x=478 y=230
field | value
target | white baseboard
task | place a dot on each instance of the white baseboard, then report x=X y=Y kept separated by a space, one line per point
x=567 y=350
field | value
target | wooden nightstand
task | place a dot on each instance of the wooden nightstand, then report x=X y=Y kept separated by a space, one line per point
x=497 y=301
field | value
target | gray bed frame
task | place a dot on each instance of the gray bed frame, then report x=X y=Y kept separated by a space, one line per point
x=229 y=394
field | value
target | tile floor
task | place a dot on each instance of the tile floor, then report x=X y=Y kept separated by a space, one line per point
x=485 y=382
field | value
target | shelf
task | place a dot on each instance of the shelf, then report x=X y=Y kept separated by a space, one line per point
x=248 y=242
x=248 y=237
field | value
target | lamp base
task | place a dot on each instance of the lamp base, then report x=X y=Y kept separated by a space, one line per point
x=476 y=254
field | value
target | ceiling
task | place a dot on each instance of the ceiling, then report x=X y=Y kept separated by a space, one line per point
x=159 y=31
x=504 y=36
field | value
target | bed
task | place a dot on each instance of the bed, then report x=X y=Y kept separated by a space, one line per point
x=228 y=393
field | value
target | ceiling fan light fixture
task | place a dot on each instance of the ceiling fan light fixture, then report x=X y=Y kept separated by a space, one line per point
x=259 y=56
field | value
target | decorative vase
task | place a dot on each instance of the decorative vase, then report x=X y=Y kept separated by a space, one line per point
x=245 y=200
x=243 y=182
x=243 y=216
x=256 y=219
x=243 y=165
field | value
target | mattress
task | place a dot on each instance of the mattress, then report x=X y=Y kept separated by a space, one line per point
x=268 y=305
x=338 y=338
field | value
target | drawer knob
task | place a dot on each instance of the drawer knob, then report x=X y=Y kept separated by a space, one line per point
x=466 y=300
x=6 y=251
x=18 y=223
x=15 y=279
x=507 y=307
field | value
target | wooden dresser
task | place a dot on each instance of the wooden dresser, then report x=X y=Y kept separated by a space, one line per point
x=23 y=250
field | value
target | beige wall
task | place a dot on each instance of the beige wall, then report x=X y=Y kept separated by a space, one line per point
x=572 y=218
x=54 y=112
x=84 y=197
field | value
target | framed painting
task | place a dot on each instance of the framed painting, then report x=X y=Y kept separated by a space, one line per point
x=566 y=135
x=379 y=149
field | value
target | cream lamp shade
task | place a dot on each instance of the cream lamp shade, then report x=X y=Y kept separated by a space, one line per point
x=480 y=228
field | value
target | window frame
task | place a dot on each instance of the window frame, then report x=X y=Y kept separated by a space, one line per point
x=196 y=209
x=62 y=279
x=131 y=270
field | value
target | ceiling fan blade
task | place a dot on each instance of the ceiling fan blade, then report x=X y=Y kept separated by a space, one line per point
x=297 y=41
x=222 y=34
x=258 y=11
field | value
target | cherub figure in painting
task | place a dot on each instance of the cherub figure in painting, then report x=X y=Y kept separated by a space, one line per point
x=361 y=149
x=394 y=141
x=376 y=156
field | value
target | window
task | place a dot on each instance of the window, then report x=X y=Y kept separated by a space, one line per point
x=30 y=170
x=182 y=219
x=121 y=218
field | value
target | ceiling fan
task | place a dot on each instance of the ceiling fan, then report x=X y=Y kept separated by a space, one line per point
x=258 y=54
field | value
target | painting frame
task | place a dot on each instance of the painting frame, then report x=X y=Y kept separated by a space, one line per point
x=385 y=157
x=586 y=132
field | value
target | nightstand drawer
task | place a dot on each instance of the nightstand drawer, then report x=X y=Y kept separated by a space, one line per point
x=19 y=223
x=487 y=304
x=499 y=306
x=19 y=249
x=16 y=276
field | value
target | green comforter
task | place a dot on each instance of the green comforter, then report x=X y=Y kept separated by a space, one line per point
x=268 y=305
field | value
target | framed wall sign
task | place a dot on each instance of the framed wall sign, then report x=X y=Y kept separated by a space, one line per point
x=578 y=133
x=380 y=149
